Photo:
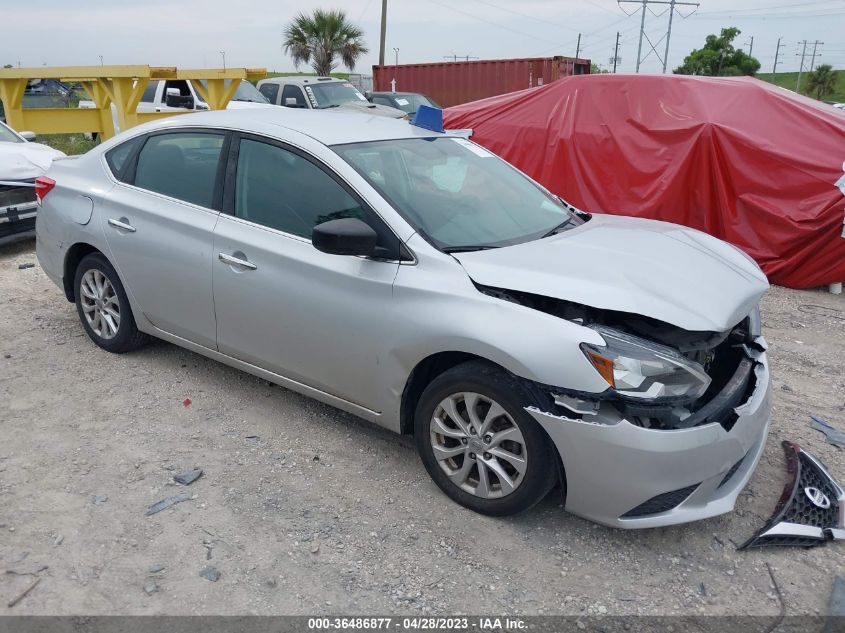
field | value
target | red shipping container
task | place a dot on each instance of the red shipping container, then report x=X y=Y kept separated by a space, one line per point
x=454 y=83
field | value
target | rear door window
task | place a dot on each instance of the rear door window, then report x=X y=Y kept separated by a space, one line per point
x=181 y=165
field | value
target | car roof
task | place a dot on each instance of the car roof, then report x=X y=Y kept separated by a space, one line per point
x=302 y=80
x=331 y=127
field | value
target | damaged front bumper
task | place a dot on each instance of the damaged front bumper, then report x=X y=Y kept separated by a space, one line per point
x=624 y=475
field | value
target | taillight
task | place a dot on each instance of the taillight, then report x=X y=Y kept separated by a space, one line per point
x=43 y=186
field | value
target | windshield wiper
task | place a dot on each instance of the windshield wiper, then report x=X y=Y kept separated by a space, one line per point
x=468 y=249
x=559 y=227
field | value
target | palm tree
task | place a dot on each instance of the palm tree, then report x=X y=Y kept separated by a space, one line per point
x=317 y=39
x=822 y=81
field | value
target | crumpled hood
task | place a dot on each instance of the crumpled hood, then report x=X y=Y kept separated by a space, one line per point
x=25 y=161
x=656 y=269
x=376 y=109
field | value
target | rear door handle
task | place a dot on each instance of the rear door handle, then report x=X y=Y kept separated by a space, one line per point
x=122 y=225
x=235 y=261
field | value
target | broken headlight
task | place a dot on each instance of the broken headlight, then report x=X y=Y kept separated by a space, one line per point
x=637 y=368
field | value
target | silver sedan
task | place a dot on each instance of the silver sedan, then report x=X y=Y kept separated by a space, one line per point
x=418 y=281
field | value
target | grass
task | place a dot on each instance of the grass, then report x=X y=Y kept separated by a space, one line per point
x=789 y=80
x=70 y=144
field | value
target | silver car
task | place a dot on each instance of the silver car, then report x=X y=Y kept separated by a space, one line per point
x=416 y=280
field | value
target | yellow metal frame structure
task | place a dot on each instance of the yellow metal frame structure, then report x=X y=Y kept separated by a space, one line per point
x=121 y=86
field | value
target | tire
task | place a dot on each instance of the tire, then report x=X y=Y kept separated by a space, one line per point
x=103 y=307
x=455 y=454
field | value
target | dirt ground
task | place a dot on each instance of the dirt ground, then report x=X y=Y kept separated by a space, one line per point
x=303 y=509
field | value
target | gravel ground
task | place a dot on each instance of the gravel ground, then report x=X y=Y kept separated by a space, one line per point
x=303 y=509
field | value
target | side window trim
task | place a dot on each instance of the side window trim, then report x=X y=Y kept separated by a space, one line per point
x=228 y=207
x=222 y=162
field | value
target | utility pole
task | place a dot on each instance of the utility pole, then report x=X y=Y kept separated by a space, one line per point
x=801 y=68
x=101 y=60
x=578 y=47
x=672 y=4
x=777 y=54
x=616 y=53
x=815 y=48
x=668 y=35
x=223 y=53
x=751 y=47
x=642 y=30
x=383 y=32
x=396 y=50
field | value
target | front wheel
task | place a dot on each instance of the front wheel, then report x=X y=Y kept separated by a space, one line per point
x=478 y=443
x=103 y=307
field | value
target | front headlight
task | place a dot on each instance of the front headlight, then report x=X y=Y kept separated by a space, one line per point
x=637 y=368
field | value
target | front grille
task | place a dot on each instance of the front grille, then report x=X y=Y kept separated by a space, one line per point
x=661 y=503
x=804 y=511
x=11 y=195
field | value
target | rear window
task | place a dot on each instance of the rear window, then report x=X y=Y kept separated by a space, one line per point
x=181 y=165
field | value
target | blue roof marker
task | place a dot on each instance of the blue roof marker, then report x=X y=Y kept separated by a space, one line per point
x=429 y=118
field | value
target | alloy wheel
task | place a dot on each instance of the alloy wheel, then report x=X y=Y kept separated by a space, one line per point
x=100 y=304
x=478 y=445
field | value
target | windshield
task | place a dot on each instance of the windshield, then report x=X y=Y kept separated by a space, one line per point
x=245 y=92
x=457 y=194
x=7 y=136
x=410 y=103
x=333 y=94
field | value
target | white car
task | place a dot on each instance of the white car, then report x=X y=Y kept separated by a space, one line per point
x=322 y=93
x=21 y=162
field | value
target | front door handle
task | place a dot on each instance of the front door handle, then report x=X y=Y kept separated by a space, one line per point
x=235 y=261
x=122 y=224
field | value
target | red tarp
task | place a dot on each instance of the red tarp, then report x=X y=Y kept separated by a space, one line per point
x=743 y=160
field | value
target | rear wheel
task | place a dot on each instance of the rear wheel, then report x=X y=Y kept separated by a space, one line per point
x=478 y=443
x=103 y=307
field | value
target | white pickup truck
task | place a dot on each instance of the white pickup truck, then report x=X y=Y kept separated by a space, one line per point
x=179 y=95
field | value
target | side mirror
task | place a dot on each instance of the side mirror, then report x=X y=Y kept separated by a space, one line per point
x=173 y=99
x=347 y=236
x=291 y=102
x=369 y=95
x=27 y=136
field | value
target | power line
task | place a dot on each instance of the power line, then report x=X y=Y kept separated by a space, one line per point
x=672 y=4
x=768 y=10
x=490 y=22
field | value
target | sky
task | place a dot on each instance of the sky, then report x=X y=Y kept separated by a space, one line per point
x=192 y=33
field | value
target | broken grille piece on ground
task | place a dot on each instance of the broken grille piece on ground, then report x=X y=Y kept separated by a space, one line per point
x=811 y=509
